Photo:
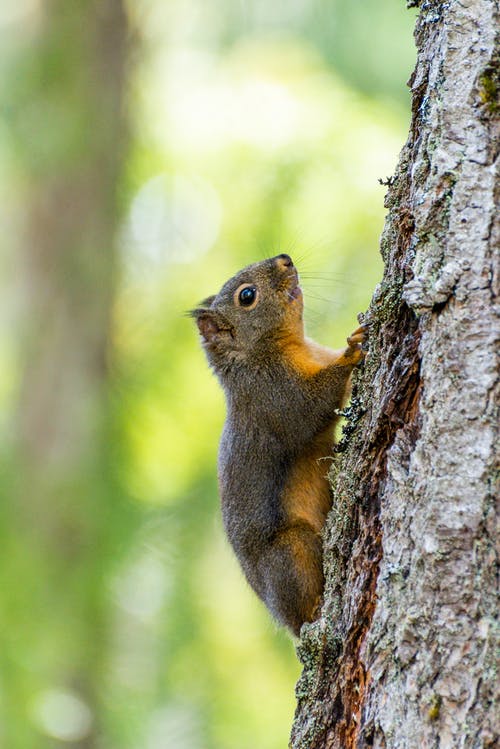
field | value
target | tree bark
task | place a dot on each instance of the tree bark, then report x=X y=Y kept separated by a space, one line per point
x=403 y=653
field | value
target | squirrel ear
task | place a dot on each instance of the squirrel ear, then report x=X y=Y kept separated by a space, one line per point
x=207 y=325
x=210 y=323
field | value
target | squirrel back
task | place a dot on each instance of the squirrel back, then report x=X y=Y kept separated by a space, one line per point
x=283 y=393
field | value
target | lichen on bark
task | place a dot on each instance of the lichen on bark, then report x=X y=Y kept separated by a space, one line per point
x=402 y=655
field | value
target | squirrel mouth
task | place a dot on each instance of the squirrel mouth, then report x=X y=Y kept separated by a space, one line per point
x=290 y=285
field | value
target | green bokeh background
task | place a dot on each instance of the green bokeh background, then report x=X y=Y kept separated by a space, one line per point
x=252 y=128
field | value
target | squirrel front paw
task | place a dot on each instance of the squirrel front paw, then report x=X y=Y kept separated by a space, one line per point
x=360 y=335
x=354 y=350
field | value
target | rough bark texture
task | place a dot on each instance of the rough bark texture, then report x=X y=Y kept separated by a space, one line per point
x=403 y=654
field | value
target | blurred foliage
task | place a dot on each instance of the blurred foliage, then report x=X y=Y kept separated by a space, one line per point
x=253 y=128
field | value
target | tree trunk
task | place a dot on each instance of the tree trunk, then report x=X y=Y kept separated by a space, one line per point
x=67 y=120
x=403 y=654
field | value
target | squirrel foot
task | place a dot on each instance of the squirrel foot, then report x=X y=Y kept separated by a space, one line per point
x=318 y=603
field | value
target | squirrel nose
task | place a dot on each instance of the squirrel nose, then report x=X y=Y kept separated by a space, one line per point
x=283 y=261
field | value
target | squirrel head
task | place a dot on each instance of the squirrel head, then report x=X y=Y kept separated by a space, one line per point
x=256 y=309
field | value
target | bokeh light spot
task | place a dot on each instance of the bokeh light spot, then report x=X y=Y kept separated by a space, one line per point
x=62 y=715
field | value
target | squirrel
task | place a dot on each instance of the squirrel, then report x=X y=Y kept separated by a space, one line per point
x=283 y=394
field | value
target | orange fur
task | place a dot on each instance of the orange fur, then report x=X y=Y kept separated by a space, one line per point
x=308 y=568
x=308 y=357
x=306 y=497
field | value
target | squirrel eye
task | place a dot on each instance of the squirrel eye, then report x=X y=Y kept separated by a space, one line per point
x=246 y=296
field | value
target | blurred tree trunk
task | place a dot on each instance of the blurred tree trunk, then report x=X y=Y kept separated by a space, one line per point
x=67 y=117
x=403 y=653
x=77 y=148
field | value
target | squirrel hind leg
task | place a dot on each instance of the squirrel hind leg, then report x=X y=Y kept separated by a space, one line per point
x=293 y=573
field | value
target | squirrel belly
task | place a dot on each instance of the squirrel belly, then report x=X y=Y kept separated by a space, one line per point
x=283 y=392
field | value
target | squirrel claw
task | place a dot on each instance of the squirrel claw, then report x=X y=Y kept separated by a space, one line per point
x=359 y=336
x=355 y=341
